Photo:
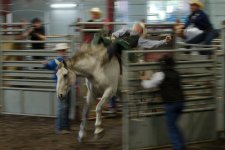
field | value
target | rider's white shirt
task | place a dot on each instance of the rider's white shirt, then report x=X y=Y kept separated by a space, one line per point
x=155 y=80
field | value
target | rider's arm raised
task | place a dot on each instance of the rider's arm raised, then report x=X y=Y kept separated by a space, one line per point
x=149 y=44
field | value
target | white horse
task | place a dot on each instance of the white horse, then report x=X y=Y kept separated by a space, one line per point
x=102 y=81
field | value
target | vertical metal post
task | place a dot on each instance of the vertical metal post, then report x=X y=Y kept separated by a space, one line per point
x=125 y=107
x=221 y=101
x=1 y=75
x=22 y=104
x=220 y=89
x=73 y=88
x=52 y=103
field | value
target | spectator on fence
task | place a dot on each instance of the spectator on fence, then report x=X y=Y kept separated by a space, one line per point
x=62 y=124
x=36 y=33
x=199 y=19
x=95 y=16
x=169 y=82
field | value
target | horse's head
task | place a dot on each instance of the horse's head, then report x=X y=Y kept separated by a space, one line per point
x=65 y=79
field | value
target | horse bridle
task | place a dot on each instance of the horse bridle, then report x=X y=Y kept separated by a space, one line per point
x=65 y=65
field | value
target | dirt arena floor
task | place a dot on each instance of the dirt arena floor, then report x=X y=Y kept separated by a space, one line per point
x=35 y=133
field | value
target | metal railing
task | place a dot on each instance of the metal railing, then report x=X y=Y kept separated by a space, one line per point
x=142 y=109
x=23 y=78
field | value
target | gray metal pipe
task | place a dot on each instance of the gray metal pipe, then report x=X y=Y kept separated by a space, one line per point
x=28 y=89
x=29 y=41
x=166 y=51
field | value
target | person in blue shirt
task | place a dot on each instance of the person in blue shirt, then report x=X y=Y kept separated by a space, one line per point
x=62 y=123
x=199 y=19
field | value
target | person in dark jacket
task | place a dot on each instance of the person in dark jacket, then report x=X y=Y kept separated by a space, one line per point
x=169 y=82
x=36 y=33
x=62 y=124
x=199 y=19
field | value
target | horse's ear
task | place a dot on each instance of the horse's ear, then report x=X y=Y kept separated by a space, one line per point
x=57 y=62
x=64 y=64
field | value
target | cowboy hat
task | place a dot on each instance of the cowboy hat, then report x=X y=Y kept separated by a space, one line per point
x=95 y=10
x=197 y=2
x=142 y=25
x=61 y=46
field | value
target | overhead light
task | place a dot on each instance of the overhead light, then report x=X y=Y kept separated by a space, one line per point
x=68 y=5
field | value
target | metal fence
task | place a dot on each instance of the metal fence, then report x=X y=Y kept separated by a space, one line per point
x=143 y=111
x=26 y=87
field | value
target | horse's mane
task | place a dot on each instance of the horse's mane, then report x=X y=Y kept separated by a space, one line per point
x=98 y=51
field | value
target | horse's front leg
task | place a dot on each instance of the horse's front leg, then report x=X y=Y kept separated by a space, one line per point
x=98 y=124
x=87 y=104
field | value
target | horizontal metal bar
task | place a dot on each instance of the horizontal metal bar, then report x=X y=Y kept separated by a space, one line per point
x=177 y=67
x=31 y=84
x=150 y=32
x=166 y=51
x=177 y=62
x=28 y=89
x=14 y=24
x=30 y=51
x=20 y=114
x=190 y=99
x=100 y=23
x=23 y=63
x=154 y=90
x=197 y=75
x=43 y=52
x=183 y=76
x=121 y=23
x=184 y=111
x=152 y=107
x=12 y=30
x=28 y=80
x=161 y=32
x=58 y=35
x=196 y=45
x=29 y=41
x=36 y=75
x=91 y=30
x=29 y=54
x=156 y=66
x=14 y=64
x=29 y=71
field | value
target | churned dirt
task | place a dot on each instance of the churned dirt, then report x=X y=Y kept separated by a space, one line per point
x=36 y=133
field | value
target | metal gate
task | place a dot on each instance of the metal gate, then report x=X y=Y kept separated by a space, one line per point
x=26 y=88
x=143 y=111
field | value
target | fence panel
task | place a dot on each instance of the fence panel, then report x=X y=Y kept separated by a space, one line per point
x=143 y=111
x=26 y=87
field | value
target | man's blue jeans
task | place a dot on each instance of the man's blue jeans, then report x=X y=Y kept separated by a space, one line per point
x=63 y=110
x=173 y=112
x=205 y=38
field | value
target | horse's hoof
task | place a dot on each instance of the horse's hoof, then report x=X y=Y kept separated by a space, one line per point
x=100 y=134
x=80 y=140
x=81 y=136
